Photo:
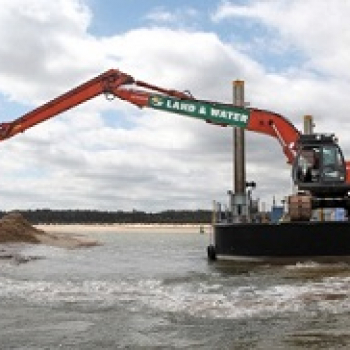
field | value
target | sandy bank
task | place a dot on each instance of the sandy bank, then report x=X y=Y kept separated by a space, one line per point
x=116 y=228
x=14 y=228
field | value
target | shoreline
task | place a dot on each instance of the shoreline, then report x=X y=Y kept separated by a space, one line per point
x=71 y=228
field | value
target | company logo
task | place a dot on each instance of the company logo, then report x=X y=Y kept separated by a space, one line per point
x=157 y=101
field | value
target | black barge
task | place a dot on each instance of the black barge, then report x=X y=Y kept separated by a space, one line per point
x=327 y=241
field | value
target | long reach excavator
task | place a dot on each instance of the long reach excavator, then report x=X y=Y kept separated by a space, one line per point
x=319 y=171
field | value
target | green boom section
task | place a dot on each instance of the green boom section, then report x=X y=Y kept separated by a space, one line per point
x=211 y=112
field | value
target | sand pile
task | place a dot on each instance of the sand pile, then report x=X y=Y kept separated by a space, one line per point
x=14 y=228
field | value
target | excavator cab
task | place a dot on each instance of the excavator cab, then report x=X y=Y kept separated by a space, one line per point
x=319 y=166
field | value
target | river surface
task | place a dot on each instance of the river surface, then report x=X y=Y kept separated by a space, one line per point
x=156 y=290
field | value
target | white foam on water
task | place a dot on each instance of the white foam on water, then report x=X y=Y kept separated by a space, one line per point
x=303 y=265
x=314 y=265
x=73 y=291
x=330 y=295
x=199 y=299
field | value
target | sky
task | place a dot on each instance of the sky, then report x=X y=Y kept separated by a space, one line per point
x=293 y=55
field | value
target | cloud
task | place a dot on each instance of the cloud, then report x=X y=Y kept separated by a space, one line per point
x=45 y=44
x=159 y=15
x=184 y=17
x=316 y=28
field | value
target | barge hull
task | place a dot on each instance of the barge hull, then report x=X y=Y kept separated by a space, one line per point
x=289 y=241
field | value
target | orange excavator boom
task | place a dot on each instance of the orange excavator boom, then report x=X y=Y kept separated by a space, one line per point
x=114 y=83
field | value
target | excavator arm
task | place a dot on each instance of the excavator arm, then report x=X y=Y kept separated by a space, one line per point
x=70 y=99
x=327 y=186
x=114 y=83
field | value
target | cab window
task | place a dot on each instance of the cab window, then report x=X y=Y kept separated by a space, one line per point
x=333 y=164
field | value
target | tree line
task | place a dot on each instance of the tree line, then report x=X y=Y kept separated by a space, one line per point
x=48 y=216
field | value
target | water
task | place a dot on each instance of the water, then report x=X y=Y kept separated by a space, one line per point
x=156 y=290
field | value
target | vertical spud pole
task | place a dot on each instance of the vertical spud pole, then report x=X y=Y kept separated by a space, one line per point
x=239 y=142
x=240 y=209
